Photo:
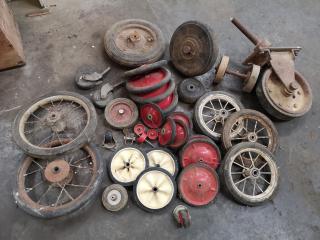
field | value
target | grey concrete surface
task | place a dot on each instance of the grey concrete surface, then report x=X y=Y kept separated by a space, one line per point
x=71 y=35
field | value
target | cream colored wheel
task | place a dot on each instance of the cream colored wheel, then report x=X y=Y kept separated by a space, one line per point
x=126 y=165
x=154 y=189
x=164 y=159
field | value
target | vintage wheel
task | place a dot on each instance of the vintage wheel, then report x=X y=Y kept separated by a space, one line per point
x=126 y=164
x=139 y=129
x=114 y=197
x=270 y=94
x=167 y=132
x=145 y=68
x=182 y=134
x=165 y=103
x=200 y=150
x=254 y=127
x=83 y=84
x=211 y=111
x=172 y=105
x=199 y=136
x=193 y=48
x=182 y=216
x=154 y=189
x=121 y=113
x=251 y=81
x=250 y=182
x=152 y=134
x=100 y=102
x=134 y=42
x=54 y=117
x=221 y=70
x=151 y=115
x=163 y=158
x=190 y=90
x=182 y=116
x=49 y=188
x=198 y=184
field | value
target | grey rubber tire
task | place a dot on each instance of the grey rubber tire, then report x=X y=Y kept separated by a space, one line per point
x=116 y=202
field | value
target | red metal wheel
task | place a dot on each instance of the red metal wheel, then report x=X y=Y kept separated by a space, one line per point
x=182 y=134
x=200 y=150
x=182 y=116
x=167 y=132
x=152 y=134
x=198 y=184
x=165 y=103
x=151 y=115
x=139 y=129
x=156 y=92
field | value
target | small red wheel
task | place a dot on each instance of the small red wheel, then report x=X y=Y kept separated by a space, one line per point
x=200 y=150
x=198 y=184
x=182 y=134
x=182 y=116
x=139 y=129
x=152 y=134
x=167 y=132
x=166 y=102
x=151 y=115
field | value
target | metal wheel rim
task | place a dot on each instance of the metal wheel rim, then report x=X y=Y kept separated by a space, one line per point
x=162 y=159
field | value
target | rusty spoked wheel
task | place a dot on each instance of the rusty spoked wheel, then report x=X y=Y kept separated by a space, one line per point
x=250 y=173
x=154 y=189
x=212 y=110
x=254 y=127
x=198 y=184
x=49 y=188
x=121 y=113
x=134 y=42
x=57 y=116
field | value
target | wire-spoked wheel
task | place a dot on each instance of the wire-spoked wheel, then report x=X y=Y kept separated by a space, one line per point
x=154 y=189
x=53 y=117
x=250 y=173
x=49 y=188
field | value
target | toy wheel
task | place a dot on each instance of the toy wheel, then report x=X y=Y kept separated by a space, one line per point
x=154 y=189
x=182 y=134
x=160 y=157
x=183 y=117
x=193 y=49
x=173 y=104
x=252 y=79
x=54 y=187
x=165 y=103
x=134 y=42
x=114 y=197
x=198 y=184
x=211 y=111
x=139 y=129
x=151 y=115
x=152 y=134
x=182 y=216
x=126 y=164
x=83 y=84
x=167 y=132
x=250 y=182
x=54 y=117
x=221 y=70
x=145 y=68
x=270 y=94
x=255 y=127
x=190 y=90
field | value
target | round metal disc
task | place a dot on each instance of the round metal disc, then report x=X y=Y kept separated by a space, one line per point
x=250 y=82
x=164 y=159
x=222 y=68
x=114 y=197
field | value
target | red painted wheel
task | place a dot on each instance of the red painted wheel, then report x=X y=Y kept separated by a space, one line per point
x=182 y=116
x=198 y=184
x=163 y=104
x=152 y=134
x=167 y=132
x=182 y=134
x=151 y=115
x=139 y=129
x=200 y=150
x=142 y=138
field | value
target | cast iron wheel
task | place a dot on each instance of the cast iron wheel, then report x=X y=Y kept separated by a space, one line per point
x=114 y=197
x=154 y=189
x=193 y=48
x=250 y=173
x=190 y=90
x=121 y=113
x=145 y=68
x=134 y=42
x=211 y=111
x=254 y=127
x=49 y=188
x=83 y=84
x=54 y=116
x=163 y=158
x=126 y=164
x=198 y=184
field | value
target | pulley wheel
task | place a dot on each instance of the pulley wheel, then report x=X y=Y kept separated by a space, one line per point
x=198 y=184
x=221 y=70
x=134 y=42
x=167 y=132
x=154 y=189
x=250 y=182
x=163 y=158
x=114 y=197
x=182 y=134
x=270 y=92
x=83 y=84
x=250 y=82
x=145 y=68
x=182 y=116
x=126 y=164
x=190 y=90
x=151 y=115
x=193 y=48
x=121 y=113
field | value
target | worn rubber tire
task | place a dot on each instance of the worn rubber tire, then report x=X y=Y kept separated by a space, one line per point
x=145 y=68
x=123 y=202
x=190 y=90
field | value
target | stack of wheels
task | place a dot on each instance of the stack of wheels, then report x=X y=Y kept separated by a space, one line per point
x=60 y=172
x=152 y=87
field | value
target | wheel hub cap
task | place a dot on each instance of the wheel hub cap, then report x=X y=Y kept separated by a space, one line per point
x=58 y=172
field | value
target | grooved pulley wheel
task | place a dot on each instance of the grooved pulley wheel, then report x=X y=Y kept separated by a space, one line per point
x=114 y=197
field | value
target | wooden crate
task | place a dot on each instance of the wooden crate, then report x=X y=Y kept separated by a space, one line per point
x=11 y=50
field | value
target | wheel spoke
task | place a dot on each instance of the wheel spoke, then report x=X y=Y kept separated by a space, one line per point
x=45 y=139
x=239 y=165
x=214 y=126
x=30 y=189
x=263 y=165
x=240 y=181
x=58 y=198
x=38 y=164
x=220 y=103
x=45 y=193
x=255 y=126
x=254 y=187
x=260 y=130
x=259 y=187
x=79 y=160
x=209 y=107
x=29 y=173
x=244 y=185
x=76 y=185
x=210 y=120
x=264 y=180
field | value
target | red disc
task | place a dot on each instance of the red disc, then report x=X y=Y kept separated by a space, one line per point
x=200 y=150
x=182 y=116
x=148 y=80
x=155 y=93
x=151 y=115
x=198 y=184
x=167 y=132
x=139 y=129
x=182 y=134
x=142 y=138
x=152 y=134
x=166 y=102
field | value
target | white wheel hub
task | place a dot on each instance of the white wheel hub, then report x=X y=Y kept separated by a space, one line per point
x=160 y=158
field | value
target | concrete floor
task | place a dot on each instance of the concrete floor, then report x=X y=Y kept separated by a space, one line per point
x=71 y=35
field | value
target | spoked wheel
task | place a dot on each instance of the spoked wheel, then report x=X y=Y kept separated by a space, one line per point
x=160 y=157
x=154 y=189
x=250 y=173
x=254 y=127
x=212 y=110
x=126 y=164
x=114 y=197
x=63 y=115
x=49 y=188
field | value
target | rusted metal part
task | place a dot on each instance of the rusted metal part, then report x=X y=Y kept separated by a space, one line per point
x=108 y=140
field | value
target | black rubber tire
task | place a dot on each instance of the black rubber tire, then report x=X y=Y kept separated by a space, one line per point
x=123 y=202
x=41 y=213
x=83 y=84
x=86 y=135
x=172 y=106
x=190 y=90
x=146 y=68
x=135 y=190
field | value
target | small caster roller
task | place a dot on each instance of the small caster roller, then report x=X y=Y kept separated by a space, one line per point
x=114 y=198
x=182 y=216
x=87 y=77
